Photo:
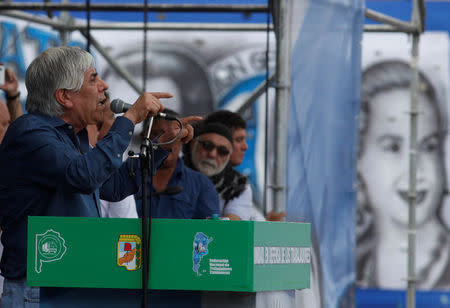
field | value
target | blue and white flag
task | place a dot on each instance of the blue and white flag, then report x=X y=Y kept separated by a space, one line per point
x=322 y=142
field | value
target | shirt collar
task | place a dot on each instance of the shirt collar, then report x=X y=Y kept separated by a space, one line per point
x=53 y=121
x=80 y=140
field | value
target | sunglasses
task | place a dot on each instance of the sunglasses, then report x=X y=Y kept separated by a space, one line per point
x=208 y=146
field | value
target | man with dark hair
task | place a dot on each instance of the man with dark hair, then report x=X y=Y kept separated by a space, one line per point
x=178 y=191
x=48 y=167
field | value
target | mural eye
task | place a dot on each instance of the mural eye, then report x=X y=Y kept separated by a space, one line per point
x=391 y=146
x=395 y=147
x=430 y=145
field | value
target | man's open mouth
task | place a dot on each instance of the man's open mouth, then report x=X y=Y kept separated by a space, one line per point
x=101 y=103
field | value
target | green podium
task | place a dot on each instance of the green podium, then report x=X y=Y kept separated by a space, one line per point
x=207 y=255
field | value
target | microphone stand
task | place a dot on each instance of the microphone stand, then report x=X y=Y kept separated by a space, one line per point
x=145 y=155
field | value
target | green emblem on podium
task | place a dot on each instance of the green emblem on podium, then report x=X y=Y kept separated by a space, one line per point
x=50 y=247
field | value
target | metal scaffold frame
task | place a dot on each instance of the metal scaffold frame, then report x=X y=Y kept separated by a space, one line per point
x=280 y=77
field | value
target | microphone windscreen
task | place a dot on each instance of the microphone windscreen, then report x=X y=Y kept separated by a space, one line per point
x=119 y=106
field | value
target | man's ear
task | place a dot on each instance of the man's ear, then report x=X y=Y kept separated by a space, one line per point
x=63 y=97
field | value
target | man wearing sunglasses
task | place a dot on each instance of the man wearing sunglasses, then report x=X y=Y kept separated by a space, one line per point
x=238 y=128
x=210 y=154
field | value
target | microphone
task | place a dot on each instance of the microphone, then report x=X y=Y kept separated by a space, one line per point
x=119 y=106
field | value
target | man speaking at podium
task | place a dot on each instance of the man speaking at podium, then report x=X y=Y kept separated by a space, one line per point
x=48 y=168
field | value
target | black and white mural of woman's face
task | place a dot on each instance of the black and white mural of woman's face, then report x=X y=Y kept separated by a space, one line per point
x=170 y=68
x=384 y=161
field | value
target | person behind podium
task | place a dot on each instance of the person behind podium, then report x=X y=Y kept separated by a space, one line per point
x=238 y=128
x=48 y=168
x=178 y=191
x=210 y=154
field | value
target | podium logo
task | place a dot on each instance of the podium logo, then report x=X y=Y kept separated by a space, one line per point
x=129 y=252
x=200 y=250
x=50 y=247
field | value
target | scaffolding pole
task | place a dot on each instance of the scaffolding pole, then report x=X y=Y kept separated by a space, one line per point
x=282 y=87
x=134 y=7
x=251 y=99
x=380 y=28
x=132 y=26
x=418 y=15
x=412 y=192
x=400 y=25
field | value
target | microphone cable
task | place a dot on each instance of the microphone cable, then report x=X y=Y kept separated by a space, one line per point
x=167 y=118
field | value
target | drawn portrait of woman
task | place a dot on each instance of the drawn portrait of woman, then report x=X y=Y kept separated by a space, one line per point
x=383 y=173
x=171 y=68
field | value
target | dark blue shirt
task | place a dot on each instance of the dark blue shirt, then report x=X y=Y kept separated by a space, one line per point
x=197 y=200
x=48 y=170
